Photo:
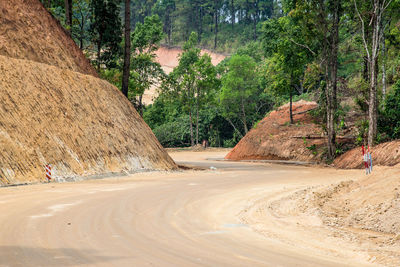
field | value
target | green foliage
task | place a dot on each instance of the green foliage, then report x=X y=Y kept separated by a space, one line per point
x=106 y=31
x=389 y=122
x=145 y=71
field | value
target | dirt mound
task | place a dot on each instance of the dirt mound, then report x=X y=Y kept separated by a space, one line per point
x=51 y=113
x=385 y=154
x=364 y=211
x=275 y=139
x=28 y=31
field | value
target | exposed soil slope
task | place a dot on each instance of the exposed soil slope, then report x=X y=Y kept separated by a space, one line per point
x=51 y=113
x=28 y=31
x=275 y=139
x=385 y=154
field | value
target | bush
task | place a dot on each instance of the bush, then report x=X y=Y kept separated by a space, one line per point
x=389 y=119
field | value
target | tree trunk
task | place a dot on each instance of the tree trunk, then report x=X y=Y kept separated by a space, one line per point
x=246 y=130
x=68 y=14
x=98 y=54
x=373 y=101
x=234 y=127
x=127 y=51
x=216 y=29
x=141 y=105
x=331 y=53
x=291 y=107
x=233 y=13
x=197 y=117
x=191 y=128
x=383 y=69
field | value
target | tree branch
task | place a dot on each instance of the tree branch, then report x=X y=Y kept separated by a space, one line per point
x=302 y=45
x=363 y=31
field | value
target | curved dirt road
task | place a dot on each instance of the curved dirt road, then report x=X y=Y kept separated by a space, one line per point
x=190 y=218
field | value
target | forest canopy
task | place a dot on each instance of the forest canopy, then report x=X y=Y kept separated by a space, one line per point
x=344 y=54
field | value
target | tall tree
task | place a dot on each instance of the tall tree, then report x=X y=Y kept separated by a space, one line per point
x=145 y=71
x=287 y=60
x=239 y=91
x=106 y=31
x=320 y=20
x=81 y=22
x=127 y=49
x=205 y=82
x=372 y=50
x=183 y=79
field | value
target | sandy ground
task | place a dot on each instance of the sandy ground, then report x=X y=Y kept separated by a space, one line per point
x=232 y=214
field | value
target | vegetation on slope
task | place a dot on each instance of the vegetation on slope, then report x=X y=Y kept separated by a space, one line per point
x=342 y=53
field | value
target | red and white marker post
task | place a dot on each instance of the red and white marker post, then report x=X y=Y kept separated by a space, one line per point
x=367 y=159
x=48 y=172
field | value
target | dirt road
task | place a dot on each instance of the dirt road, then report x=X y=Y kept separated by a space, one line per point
x=190 y=218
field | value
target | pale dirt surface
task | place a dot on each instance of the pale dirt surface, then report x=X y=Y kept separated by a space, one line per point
x=235 y=214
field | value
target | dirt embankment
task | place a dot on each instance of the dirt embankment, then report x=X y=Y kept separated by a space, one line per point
x=52 y=112
x=274 y=138
x=364 y=211
x=28 y=31
x=385 y=154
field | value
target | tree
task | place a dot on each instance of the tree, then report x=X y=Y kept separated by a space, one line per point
x=68 y=14
x=182 y=79
x=239 y=91
x=164 y=9
x=287 y=60
x=106 y=31
x=81 y=22
x=127 y=50
x=372 y=50
x=205 y=83
x=145 y=71
x=320 y=21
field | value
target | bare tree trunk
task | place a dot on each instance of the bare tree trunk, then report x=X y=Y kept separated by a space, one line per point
x=246 y=130
x=383 y=69
x=373 y=101
x=127 y=51
x=291 y=107
x=197 y=118
x=191 y=128
x=372 y=50
x=331 y=52
x=216 y=28
x=233 y=13
x=68 y=14
x=234 y=127
x=98 y=54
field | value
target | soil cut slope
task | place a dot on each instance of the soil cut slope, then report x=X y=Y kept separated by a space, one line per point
x=28 y=31
x=275 y=139
x=52 y=113
x=385 y=154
